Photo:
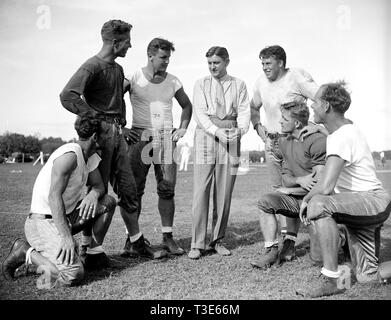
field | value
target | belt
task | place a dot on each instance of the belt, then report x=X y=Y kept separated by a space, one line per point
x=40 y=216
x=110 y=119
x=275 y=135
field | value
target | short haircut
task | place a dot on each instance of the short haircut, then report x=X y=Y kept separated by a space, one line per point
x=297 y=110
x=337 y=96
x=159 y=43
x=86 y=126
x=114 y=29
x=218 y=51
x=273 y=51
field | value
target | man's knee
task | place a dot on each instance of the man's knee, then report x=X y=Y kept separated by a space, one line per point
x=109 y=203
x=166 y=189
x=267 y=203
x=317 y=208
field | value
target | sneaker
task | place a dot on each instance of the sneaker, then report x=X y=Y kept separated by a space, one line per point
x=288 y=251
x=171 y=246
x=269 y=258
x=96 y=261
x=142 y=248
x=221 y=250
x=326 y=287
x=16 y=257
x=194 y=253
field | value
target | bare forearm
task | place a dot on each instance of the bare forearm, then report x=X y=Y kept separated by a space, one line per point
x=186 y=117
x=59 y=216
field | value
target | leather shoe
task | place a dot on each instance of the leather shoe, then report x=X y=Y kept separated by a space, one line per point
x=16 y=257
x=142 y=248
x=171 y=246
x=221 y=250
x=194 y=253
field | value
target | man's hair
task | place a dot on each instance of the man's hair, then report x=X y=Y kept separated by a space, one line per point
x=297 y=110
x=276 y=52
x=159 y=43
x=86 y=126
x=218 y=51
x=114 y=29
x=337 y=96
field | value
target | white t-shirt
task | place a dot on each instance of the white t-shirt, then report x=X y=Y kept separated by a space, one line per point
x=295 y=85
x=359 y=172
x=77 y=180
x=152 y=103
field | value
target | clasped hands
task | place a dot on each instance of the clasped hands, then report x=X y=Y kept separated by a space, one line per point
x=228 y=135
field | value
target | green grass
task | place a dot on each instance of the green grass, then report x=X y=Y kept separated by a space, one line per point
x=211 y=277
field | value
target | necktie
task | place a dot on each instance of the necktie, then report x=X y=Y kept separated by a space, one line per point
x=220 y=101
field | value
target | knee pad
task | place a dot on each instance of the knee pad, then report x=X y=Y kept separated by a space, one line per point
x=166 y=189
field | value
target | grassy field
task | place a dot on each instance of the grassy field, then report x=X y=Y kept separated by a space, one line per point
x=211 y=277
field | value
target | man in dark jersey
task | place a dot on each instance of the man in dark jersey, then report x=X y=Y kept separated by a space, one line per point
x=302 y=164
x=96 y=89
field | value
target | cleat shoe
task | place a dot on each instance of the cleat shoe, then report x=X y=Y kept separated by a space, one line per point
x=221 y=250
x=96 y=261
x=326 y=287
x=171 y=246
x=142 y=248
x=194 y=253
x=125 y=253
x=288 y=251
x=16 y=257
x=269 y=258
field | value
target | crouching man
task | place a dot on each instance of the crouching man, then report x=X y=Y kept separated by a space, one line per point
x=302 y=164
x=348 y=193
x=57 y=214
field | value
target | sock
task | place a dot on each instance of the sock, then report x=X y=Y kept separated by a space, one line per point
x=269 y=244
x=135 y=237
x=28 y=255
x=85 y=240
x=331 y=274
x=291 y=236
x=95 y=250
x=167 y=229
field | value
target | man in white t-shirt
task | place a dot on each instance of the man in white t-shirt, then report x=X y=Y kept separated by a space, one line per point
x=277 y=85
x=348 y=193
x=151 y=90
x=57 y=213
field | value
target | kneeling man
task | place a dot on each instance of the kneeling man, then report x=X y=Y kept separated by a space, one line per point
x=302 y=164
x=57 y=214
x=348 y=190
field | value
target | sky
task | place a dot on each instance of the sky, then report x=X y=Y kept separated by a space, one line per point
x=44 y=42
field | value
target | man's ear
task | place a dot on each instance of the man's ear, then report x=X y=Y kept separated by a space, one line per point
x=327 y=107
x=227 y=61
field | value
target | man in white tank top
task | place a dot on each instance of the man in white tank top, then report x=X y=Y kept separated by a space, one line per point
x=152 y=138
x=57 y=213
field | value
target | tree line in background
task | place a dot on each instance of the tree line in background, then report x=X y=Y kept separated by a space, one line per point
x=16 y=145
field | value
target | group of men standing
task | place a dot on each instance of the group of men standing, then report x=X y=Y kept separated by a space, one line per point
x=222 y=109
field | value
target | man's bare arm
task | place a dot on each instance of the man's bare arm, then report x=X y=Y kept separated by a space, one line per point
x=62 y=169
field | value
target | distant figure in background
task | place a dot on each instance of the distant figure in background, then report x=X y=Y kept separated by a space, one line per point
x=57 y=213
x=185 y=155
x=382 y=158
